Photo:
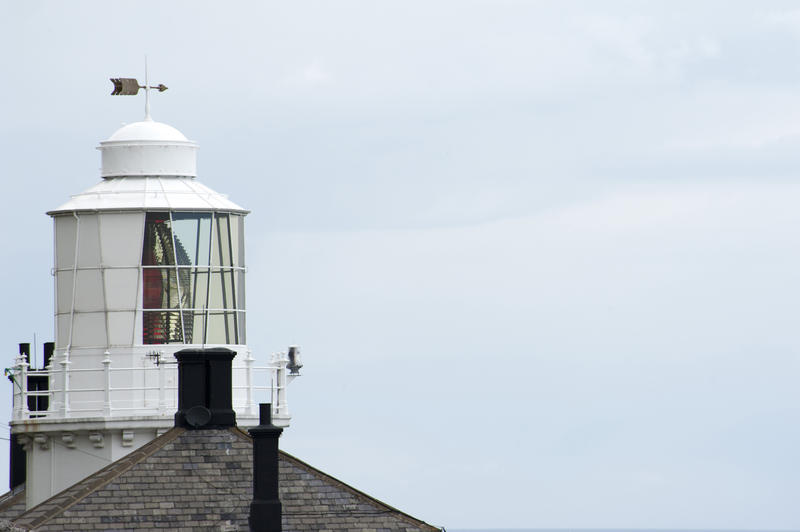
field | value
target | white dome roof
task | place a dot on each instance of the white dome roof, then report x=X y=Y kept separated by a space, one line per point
x=148 y=148
x=147 y=130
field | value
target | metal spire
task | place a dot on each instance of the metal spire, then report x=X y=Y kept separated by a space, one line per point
x=146 y=94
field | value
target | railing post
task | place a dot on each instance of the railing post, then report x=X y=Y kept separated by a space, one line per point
x=65 y=381
x=20 y=388
x=162 y=396
x=107 y=375
x=23 y=377
x=248 y=361
x=280 y=406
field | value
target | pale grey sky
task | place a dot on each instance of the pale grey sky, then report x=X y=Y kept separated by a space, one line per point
x=543 y=259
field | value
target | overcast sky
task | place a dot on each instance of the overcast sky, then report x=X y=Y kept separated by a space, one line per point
x=543 y=259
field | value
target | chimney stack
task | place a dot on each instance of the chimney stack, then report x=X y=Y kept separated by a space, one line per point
x=49 y=347
x=265 y=510
x=204 y=389
x=17 y=463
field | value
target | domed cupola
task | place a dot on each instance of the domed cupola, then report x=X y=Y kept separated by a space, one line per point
x=148 y=148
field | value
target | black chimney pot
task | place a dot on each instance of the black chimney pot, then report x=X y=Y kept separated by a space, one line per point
x=204 y=388
x=49 y=347
x=17 y=463
x=265 y=510
x=25 y=350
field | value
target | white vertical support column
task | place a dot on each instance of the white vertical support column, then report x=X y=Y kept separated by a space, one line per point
x=16 y=393
x=248 y=361
x=162 y=396
x=141 y=377
x=65 y=383
x=23 y=382
x=21 y=378
x=273 y=381
x=107 y=392
x=280 y=407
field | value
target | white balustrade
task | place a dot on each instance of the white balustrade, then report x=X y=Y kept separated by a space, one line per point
x=77 y=398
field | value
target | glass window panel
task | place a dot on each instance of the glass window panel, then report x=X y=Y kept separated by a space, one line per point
x=242 y=329
x=221 y=254
x=197 y=289
x=228 y=285
x=161 y=327
x=184 y=287
x=232 y=327
x=194 y=323
x=235 y=227
x=188 y=326
x=160 y=288
x=240 y=299
x=222 y=328
x=158 y=247
x=221 y=295
x=192 y=237
x=216 y=328
x=185 y=240
x=240 y=243
x=215 y=299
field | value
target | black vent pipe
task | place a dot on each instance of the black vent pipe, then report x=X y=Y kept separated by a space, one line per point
x=49 y=348
x=265 y=510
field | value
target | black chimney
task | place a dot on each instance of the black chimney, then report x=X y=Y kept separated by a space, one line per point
x=17 y=463
x=25 y=350
x=204 y=389
x=265 y=510
x=49 y=347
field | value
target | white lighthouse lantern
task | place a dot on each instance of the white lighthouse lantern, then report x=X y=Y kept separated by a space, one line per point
x=147 y=262
x=146 y=258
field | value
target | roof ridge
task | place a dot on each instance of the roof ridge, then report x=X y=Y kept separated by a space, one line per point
x=95 y=481
x=241 y=433
x=358 y=493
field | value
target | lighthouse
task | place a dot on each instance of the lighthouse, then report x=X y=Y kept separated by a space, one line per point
x=147 y=262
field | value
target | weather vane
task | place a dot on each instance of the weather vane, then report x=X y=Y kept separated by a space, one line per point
x=130 y=87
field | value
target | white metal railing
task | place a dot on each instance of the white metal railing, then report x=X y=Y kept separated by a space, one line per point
x=149 y=390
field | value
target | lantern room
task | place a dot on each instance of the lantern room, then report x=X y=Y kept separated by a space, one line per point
x=146 y=262
x=149 y=259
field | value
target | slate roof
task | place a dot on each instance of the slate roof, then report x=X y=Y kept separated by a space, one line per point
x=202 y=480
x=12 y=504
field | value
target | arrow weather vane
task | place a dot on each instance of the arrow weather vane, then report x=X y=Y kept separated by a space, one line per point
x=130 y=87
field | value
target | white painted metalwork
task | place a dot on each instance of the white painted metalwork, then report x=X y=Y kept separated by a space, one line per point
x=159 y=387
x=149 y=193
